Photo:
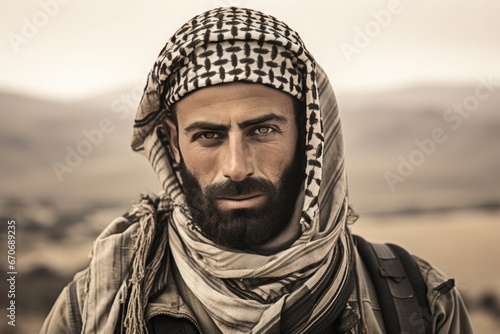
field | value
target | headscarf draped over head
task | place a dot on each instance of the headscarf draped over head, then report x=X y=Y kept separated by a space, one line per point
x=298 y=290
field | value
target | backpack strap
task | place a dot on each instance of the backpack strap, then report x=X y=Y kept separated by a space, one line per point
x=417 y=282
x=399 y=285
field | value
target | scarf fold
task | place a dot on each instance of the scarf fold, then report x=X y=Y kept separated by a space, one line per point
x=249 y=293
x=298 y=290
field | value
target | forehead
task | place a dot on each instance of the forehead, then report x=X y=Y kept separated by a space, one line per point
x=248 y=98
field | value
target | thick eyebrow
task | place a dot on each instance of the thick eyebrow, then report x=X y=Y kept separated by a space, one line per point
x=262 y=119
x=206 y=126
x=242 y=125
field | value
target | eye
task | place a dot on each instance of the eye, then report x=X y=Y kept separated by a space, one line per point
x=263 y=130
x=208 y=135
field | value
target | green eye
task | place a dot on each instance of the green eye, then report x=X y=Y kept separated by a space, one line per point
x=263 y=130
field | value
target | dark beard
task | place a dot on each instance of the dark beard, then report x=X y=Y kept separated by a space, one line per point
x=242 y=228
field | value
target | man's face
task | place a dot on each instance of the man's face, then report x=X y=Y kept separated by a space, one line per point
x=236 y=145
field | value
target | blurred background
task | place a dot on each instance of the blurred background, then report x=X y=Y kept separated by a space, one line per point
x=417 y=84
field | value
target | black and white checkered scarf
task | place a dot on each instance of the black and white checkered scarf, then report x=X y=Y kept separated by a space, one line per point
x=310 y=281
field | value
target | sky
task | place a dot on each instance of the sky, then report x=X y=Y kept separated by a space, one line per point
x=75 y=49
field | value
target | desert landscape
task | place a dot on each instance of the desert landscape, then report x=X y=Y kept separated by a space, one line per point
x=446 y=209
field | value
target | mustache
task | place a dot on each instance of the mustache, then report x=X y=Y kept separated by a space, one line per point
x=236 y=188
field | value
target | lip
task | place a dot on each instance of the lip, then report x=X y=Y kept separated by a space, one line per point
x=240 y=201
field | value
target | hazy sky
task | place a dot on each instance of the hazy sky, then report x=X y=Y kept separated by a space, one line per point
x=68 y=49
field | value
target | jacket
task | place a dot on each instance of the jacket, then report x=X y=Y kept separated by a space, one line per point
x=107 y=276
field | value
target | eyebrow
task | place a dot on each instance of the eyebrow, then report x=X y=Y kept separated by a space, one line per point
x=206 y=126
x=242 y=125
x=262 y=119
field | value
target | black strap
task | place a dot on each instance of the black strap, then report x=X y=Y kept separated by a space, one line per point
x=418 y=284
x=399 y=286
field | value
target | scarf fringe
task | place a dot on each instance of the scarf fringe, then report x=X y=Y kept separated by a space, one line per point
x=143 y=273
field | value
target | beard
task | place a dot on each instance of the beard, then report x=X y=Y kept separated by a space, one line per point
x=247 y=227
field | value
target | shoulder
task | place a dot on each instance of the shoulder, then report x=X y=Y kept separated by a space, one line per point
x=111 y=255
x=381 y=268
x=65 y=315
x=449 y=314
x=437 y=282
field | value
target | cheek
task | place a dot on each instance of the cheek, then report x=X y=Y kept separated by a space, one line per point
x=202 y=164
x=274 y=160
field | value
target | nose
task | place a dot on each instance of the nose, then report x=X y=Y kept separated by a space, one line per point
x=238 y=163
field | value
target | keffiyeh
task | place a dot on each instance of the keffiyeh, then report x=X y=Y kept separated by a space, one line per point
x=298 y=290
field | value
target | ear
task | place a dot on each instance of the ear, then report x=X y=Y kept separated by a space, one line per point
x=173 y=139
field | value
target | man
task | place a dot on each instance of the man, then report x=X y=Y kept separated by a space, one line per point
x=250 y=234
